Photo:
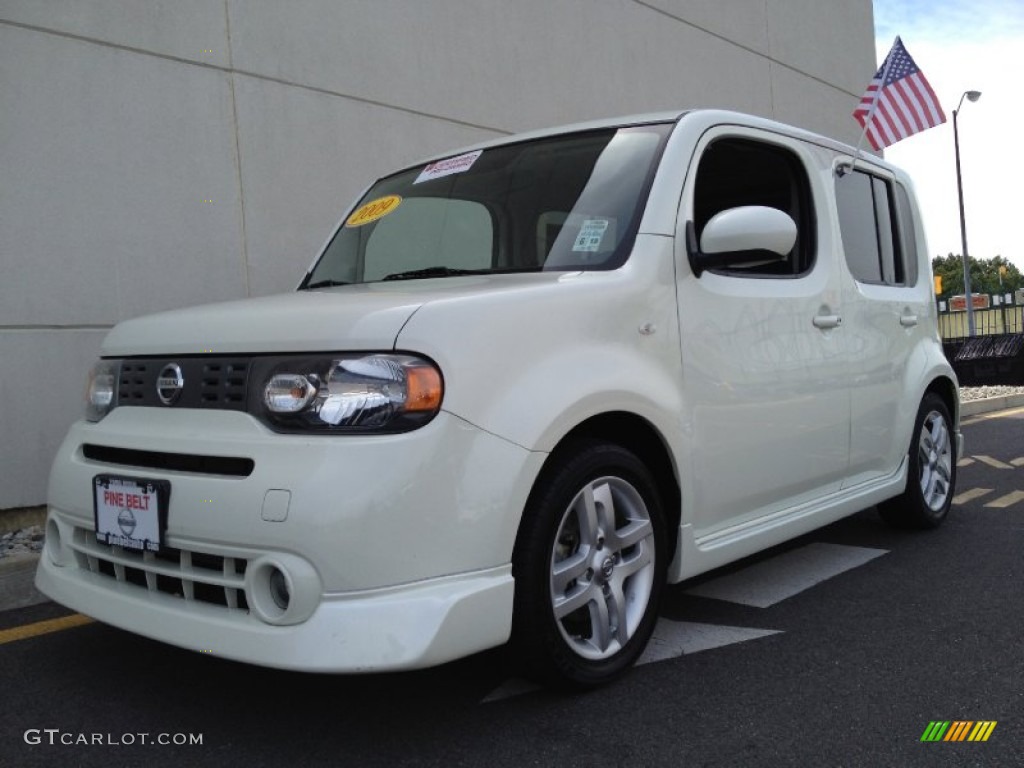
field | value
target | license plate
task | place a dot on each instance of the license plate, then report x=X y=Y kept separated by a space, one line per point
x=131 y=512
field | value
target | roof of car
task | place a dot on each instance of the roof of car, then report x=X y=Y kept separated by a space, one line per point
x=718 y=116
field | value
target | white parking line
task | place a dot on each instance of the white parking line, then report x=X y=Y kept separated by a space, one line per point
x=771 y=581
x=760 y=585
x=671 y=639
x=676 y=638
x=515 y=686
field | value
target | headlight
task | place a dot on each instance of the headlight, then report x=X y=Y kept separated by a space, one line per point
x=289 y=392
x=349 y=393
x=101 y=392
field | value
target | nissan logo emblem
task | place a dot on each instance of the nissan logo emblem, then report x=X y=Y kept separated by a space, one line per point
x=126 y=522
x=169 y=383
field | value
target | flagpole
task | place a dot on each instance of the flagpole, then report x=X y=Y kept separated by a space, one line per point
x=874 y=103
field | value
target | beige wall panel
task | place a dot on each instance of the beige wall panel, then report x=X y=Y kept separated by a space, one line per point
x=739 y=21
x=108 y=156
x=303 y=168
x=42 y=381
x=188 y=29
x=510 y=66
x=832 y=40
x=118 y=123
x=811 y=104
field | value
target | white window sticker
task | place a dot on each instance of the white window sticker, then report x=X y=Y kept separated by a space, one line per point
x=447 y=167
x=590 y=236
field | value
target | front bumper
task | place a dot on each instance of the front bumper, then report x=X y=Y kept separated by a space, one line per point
x=409 y=627
x=395 y=548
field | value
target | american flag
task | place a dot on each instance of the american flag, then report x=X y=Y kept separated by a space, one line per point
x=899 y=102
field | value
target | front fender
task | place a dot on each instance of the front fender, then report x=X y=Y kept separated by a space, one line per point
x=530 y=364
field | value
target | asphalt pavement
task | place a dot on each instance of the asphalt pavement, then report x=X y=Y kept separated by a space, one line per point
x=841 y=648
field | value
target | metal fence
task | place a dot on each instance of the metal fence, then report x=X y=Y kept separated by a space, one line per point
x=987 y=322
x=995 y=353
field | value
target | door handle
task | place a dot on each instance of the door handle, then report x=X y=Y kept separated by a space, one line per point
x=908 y=321
x=824 y=322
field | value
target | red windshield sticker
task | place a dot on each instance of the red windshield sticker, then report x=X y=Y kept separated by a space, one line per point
x=448 y=167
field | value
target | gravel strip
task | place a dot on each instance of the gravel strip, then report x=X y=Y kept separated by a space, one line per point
x=31 y=539
x=967 y=394
x=24 y=541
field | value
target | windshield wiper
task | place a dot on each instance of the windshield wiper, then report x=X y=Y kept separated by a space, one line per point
x=412 y=274
x=324 y=284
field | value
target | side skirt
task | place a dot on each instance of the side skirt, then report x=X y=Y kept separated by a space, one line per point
x=698 y=555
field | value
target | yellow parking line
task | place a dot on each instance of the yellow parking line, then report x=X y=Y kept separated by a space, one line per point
x=26 y=631
x=995 y=463
x=1006 y=501
x=971 y=495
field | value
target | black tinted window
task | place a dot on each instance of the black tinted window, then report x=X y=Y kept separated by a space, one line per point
x=569 y=202
x=739 y=172
x=856 y=203
x=908 y=240
x=877 y=230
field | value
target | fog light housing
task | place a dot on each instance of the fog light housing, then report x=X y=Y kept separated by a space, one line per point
x=282 y=589
x=54 y=546
x=279 y=592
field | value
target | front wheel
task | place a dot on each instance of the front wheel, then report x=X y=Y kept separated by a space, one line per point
x=932 y=471
x=589 y=565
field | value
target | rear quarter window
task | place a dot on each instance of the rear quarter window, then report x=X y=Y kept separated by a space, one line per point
x=877 y=229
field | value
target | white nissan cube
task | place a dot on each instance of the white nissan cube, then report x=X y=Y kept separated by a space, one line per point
x=523 y=387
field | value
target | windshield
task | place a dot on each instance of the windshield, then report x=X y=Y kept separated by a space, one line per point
x=564 y=203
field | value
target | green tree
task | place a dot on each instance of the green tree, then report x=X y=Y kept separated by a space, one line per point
x=985 y=275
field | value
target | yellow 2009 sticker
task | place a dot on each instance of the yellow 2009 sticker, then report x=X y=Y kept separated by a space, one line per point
x=373 y=210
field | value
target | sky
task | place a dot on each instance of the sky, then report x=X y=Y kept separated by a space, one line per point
x=964 y=45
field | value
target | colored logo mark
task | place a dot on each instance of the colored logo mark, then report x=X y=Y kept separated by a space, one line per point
x=373 y=210
x=958 y=730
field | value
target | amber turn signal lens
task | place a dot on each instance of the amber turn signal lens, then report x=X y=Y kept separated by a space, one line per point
x=424 y=388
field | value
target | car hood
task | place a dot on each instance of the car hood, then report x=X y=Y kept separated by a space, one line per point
x=353 y=317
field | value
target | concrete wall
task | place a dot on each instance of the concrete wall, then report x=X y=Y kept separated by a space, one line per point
x=162 y=153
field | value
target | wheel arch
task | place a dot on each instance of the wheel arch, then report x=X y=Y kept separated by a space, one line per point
x=639 y=436
x=946 y=389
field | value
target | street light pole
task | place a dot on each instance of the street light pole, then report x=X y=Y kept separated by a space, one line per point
x=970 y=96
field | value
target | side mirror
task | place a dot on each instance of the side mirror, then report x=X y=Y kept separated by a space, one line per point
x=737 y=237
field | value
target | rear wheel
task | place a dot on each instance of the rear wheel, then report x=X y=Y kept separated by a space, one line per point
x=589 y=565
x=932 y=471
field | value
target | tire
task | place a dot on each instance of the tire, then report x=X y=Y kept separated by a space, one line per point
x=931 y=475
x=589 y=565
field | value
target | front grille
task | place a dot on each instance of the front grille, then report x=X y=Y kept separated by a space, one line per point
x=223 y=384
x=234 y=466
x=209 y=382
x=186 y=574
x=131 y=385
